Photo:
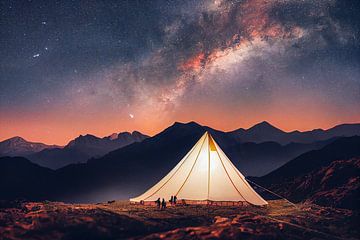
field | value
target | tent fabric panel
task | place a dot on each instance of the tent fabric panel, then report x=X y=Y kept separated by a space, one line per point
x=243 y=186
x=172 y=187
x=221 y=187
x=177 y=175
x=196 y=185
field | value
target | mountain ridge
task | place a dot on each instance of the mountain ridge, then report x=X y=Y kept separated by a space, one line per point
x=87 y=146
x=83 y=148
x=328 y=176
x=109 y=178
x=19 y=146
x=153 y=158
x=264 y=131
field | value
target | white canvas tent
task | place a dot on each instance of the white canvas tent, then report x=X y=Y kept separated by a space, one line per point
x=204 y=175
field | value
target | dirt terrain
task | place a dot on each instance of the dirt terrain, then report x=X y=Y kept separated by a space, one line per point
x=119 y=220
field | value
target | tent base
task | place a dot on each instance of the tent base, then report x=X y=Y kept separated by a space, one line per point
x=184 y=202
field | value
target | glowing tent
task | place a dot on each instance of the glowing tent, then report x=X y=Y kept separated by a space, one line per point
x=204 y=176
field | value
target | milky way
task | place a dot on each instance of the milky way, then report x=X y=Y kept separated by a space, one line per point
x=72 y=67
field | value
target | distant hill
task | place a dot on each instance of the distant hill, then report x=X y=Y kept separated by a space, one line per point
x=258 y=159
x=329 y=176
x=83 y=148
x=265 y=132
x=18 y=146
x=20 y=178
x=274 y=148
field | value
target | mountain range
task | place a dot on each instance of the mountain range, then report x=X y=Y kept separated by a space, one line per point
x=129 y=170
x=76 y=151
x=83 y=148
x=262 y=143
x=18 y=146
x=265 y=132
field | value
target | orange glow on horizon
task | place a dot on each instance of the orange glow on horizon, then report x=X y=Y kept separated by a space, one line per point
x=60 y=132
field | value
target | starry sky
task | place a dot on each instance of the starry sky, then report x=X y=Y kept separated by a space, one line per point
x=76 y=67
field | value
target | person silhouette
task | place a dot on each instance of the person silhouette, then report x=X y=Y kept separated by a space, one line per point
x=174 y=200
x=171 y=200
x=158 y=203
x=163 y=204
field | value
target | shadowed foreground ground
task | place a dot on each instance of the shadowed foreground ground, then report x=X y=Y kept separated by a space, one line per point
x=118 y=220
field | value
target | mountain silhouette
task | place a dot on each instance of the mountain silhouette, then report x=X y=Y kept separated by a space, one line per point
x=18 y=146
x=107 y=178
x=89 y=146
x=20 y=178
x=264 y=132
x=84 y=147
x=129 y=170
x=257 y=159
x=328 y=176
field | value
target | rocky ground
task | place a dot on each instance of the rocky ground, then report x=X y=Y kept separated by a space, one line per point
x=119 y=220
x=335 y=185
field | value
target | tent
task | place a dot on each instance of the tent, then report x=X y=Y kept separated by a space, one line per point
x=204 y=176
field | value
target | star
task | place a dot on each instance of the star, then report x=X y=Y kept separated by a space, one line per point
x=36 y=55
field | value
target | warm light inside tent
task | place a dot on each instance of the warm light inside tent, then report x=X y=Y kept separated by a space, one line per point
x=215 y=163
x=212 y=145
x=202 y=162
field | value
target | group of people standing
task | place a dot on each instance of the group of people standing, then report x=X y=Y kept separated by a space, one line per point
x=162 y=204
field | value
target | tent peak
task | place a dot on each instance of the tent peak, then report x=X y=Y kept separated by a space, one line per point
x=207 y=132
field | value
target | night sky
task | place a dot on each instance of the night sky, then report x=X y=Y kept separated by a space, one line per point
x=98 y=67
